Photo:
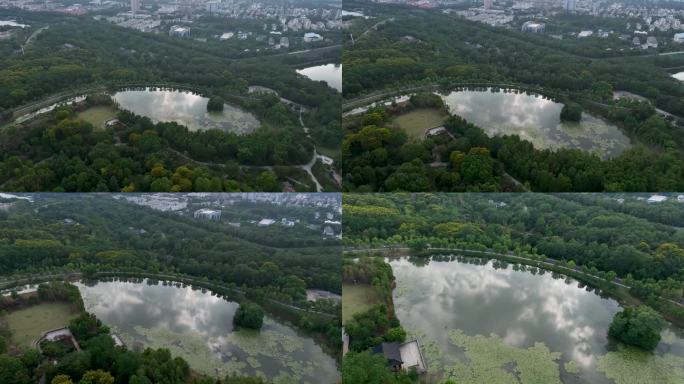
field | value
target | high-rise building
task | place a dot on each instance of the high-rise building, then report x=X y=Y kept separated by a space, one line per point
x=569 y=5
x=135 y=6
x=488 y=3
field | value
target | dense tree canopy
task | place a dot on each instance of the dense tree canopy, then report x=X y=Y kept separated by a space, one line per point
x=249 y=315
x=638 y=326
x=571 y=112
x=428 y=49
x=62 y=153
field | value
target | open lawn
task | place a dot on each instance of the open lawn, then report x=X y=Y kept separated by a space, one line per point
x=356 y=298
x=417 y=121
x=29 y=323
x=98 y=116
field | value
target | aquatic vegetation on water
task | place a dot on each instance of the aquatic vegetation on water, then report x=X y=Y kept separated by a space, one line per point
x=193 y=348
x=669 y=337
x=268 y=345
x=629 y=365
x=491 y=360
x=571 y=367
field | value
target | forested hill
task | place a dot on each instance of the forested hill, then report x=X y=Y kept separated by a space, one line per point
x=414 y=45
x=401 y=50
x=68 y=56
x=99 y=52
x=71 y=232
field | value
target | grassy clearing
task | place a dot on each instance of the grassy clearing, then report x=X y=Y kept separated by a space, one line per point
x=356 y=298
x=417 y=121
x=97 y=116
x=29 y=323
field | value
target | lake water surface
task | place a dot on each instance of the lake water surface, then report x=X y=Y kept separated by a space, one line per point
x=12 y=23
x=185 y=108
x=536 y=119
x=198 y=326
x=481 y=324
x=330 y=73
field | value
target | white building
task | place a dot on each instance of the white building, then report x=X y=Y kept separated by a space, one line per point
x=584 y=34
x=311 y=36
x=178 y=31
x=651 y=42
x=657 y=199
x=533 y=27
x=488 y=3
x=135 y=6
x=266 y=222
x=678 y=38
x=226 y=36
x=208 y=214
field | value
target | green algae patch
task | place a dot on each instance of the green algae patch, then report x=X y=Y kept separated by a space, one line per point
x=571 y=367
x=192 y=347
x=258 y=346
x=629 y=365
x=491 y=360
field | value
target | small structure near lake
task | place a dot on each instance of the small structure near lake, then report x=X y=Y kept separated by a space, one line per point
x=208 y=214
x=403 y=356
x=57 y=335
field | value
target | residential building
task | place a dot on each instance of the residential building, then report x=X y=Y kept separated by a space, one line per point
x=533 y=27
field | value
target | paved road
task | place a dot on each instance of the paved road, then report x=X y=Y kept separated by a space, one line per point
x=375 y=26
x=33 y=36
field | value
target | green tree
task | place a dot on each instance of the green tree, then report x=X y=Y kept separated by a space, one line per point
x=97 y=377
x=368 y=368
x=267 y=181
x=571 y=112
x=638 y=326
x=12 y=371
x=249 y=315
x=397 y=334
x=62 y=379
x=215 y=104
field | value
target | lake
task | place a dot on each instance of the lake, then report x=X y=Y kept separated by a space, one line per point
x=330 y=73
x=536 y=119
x=481 y=324
x=185 y=108
x=198 y=326
x=12 y=23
